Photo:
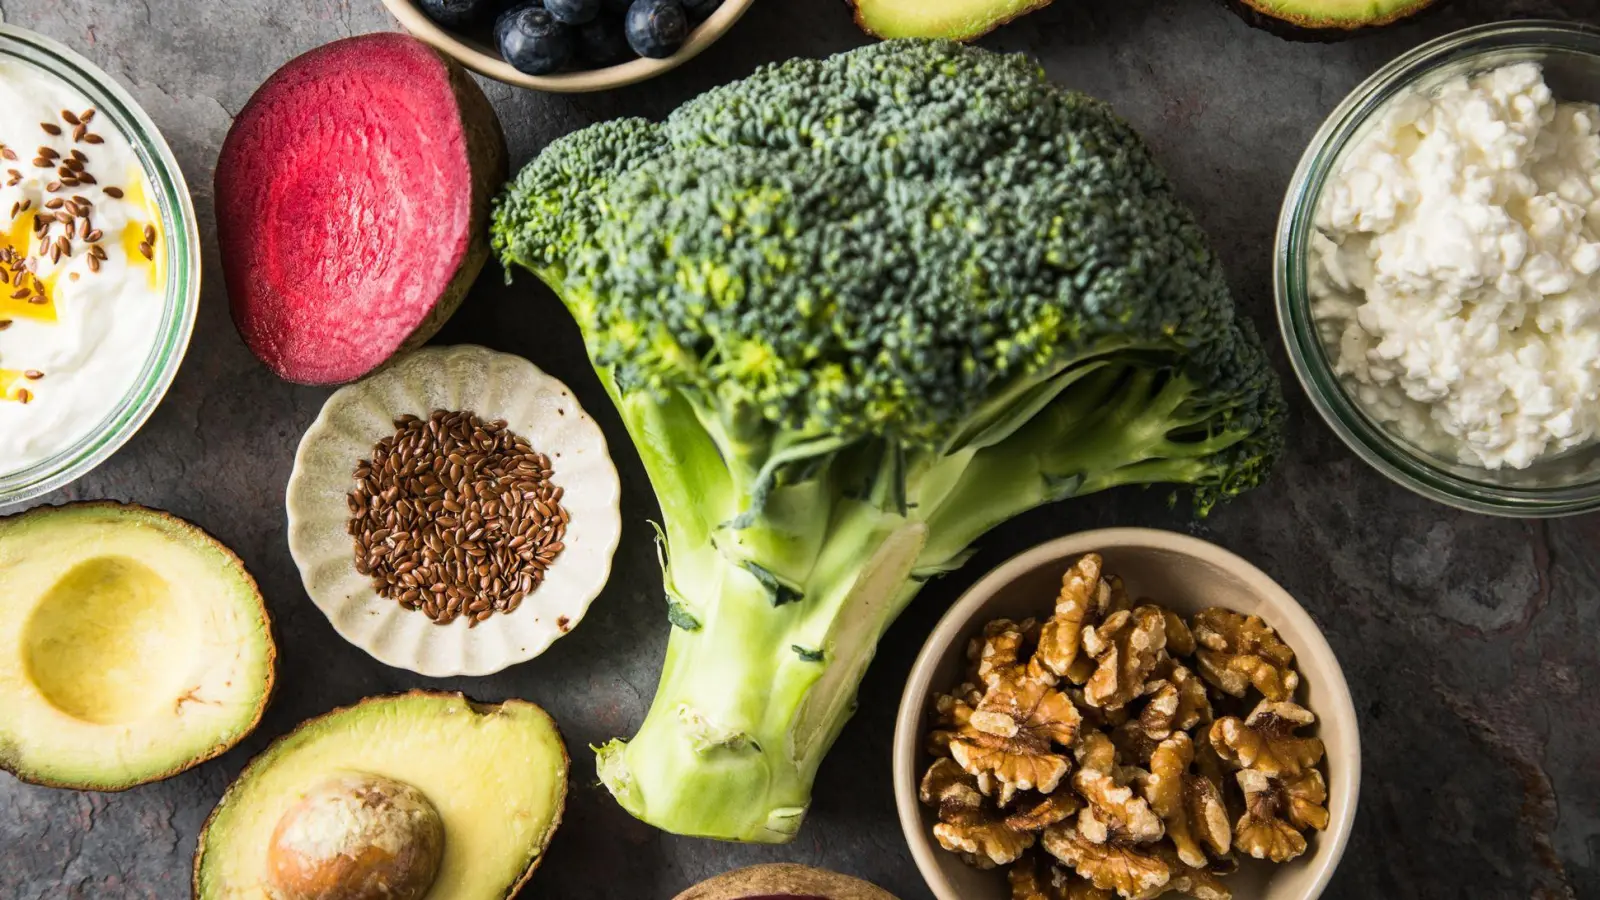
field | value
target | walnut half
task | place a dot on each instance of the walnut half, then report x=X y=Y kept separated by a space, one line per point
x=1113 y=810
x=1126 y=648
x=1043 y=812
x=964 y=826
x=1134 y=871
x=1004 y=646
x=1085 y=599
x=1266 y=740
x=1175 y=701
x=983 y=845
x=1275 y=812
x=1013 y=733
x=1189 y=804
x=1237 y=652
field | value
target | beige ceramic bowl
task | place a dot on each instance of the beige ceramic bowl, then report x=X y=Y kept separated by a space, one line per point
x=1188 y=575
x=483 y=59
x=495 y=386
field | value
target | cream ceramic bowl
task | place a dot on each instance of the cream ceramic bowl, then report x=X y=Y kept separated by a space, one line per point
x=483 y=59
x=1188 y=575
x=494 y=386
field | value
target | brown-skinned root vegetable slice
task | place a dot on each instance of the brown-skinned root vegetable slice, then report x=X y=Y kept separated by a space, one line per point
x=960 y=20
x=352 y=200
x=1326 y=20
x=786 y=881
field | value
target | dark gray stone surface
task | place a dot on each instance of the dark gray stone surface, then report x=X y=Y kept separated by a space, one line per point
x=1470 y=642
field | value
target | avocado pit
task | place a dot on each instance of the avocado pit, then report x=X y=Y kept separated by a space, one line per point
x=355 y=836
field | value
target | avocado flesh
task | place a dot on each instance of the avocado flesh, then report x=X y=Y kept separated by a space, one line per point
x=496 y=774
x=132 y=646
x=959 y=20
x=1336 y=15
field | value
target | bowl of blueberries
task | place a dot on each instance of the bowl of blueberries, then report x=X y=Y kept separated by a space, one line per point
x=569 y=45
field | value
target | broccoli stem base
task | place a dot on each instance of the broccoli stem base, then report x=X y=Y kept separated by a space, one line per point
x=751 y=700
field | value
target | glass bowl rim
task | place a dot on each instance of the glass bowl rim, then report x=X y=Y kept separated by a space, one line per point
x=1404 y=465
x=182 y=297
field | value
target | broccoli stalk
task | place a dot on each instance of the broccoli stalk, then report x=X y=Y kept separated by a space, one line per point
x=855 y=313
x=776 y=622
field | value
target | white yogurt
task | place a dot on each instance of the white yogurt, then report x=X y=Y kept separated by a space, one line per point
x=1453 y=271
x=66 y=363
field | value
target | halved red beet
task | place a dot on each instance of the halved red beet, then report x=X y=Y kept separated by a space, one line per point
x=352 y=200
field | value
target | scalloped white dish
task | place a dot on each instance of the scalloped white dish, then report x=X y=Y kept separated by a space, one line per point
x=494 y=386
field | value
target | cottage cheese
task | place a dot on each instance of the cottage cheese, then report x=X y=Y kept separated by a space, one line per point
x=1453 y=271
x=76 y=326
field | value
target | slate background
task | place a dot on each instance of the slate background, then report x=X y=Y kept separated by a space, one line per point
x=1469 y=641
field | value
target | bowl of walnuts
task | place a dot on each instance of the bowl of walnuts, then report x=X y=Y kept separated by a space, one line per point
x=1126 y=713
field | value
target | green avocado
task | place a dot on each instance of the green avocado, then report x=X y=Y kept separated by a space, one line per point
x=497 y=776
x=1324 y=19
x=133 y=646
x=960 y=20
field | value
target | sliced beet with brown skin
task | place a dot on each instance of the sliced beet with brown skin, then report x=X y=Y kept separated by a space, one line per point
x=784 y=881
x=352 y=200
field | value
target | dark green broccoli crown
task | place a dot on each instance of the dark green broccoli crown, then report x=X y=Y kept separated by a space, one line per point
x=876 y=242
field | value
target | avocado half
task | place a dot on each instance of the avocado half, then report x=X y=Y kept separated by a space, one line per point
x=1325 y=20
x=135 y=646
x=959 y=20
x=497 y=774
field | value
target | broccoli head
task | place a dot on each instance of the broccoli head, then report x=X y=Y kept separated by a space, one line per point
x=856 y=312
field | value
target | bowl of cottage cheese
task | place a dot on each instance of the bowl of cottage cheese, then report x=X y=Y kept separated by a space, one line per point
x=99 y=266
x=1438 y=269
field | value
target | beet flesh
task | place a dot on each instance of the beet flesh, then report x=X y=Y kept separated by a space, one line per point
x=352 y=199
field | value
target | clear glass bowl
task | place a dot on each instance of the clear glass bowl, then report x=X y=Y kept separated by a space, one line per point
x=182 y=248
x=1556 y=486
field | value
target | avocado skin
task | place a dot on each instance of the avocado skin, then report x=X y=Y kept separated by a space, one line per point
x=855 y=7
x=1292 y=32
x=198 y=535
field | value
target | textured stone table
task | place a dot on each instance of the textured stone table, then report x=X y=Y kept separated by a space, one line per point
x=1470 y=642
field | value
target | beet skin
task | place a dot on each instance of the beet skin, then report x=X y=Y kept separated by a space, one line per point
x=352 y=201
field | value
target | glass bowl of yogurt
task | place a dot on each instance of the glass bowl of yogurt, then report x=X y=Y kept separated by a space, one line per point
x=99 y=266
x=1437 y=269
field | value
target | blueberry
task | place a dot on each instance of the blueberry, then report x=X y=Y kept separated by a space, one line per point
x=701 y=10
x=532 y=41
x=603 y=43
x=573 y=12
x=657 y=28
x=458 y=13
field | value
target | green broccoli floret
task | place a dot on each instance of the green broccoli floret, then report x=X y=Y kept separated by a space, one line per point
x=856 y=312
